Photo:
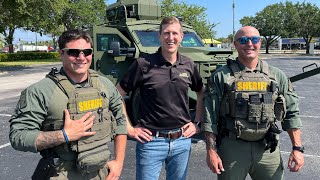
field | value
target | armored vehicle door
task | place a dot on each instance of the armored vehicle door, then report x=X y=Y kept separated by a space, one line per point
x=104 y=60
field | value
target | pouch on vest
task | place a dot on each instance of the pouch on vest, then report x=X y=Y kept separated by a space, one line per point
x=93 y=160
x=261 y=108
x=280 y=109
x=248 y=107
x=241 y=105
x=251 y=131
x=92 y=151
x=259 y=112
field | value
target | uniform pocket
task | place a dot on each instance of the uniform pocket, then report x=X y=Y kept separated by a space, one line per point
x=93 y=160
x=267 y=113
x=254 y=115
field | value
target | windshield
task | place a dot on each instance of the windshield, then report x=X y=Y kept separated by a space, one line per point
x=150 y=39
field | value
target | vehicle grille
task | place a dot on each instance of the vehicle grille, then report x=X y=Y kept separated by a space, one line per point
x=207 y=68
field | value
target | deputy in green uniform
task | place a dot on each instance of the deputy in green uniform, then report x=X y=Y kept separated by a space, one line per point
x=69 y=117
x=243 y=102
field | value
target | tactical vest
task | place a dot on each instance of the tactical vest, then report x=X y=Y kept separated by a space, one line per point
x=92 y=151
x=248 y=105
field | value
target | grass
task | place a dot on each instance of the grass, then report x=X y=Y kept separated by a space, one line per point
x=28 y=62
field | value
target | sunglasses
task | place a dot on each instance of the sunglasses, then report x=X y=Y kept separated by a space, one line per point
x=76 y=52
x=245 y=39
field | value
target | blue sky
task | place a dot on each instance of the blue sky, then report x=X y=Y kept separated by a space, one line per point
x=219 y=12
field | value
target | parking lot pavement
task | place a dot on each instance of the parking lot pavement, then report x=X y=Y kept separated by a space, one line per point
x=20 y=165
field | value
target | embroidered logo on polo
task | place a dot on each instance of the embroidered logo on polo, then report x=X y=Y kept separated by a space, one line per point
x=90 y=104
x=251 y=85
x=184 y=75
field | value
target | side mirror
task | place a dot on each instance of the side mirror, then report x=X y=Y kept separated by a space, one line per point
x=114 y=48
x=116 y=51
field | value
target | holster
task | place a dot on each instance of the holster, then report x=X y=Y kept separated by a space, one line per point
x=44 y=170
x=272 y=138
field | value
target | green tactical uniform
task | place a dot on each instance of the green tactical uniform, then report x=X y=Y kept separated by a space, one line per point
x=240 y=157
x=41 y=108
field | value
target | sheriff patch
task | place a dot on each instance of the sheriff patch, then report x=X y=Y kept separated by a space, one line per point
x=90 y=104
x=251 y=86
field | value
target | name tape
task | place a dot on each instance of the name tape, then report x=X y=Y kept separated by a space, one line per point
x=251 y=86
x=90 y=104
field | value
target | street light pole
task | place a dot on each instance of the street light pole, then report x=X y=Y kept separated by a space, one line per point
x=233 y=6
x=36 y=42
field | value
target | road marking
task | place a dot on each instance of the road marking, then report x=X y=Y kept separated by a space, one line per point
x=305 y=155
x=5 y=145
x=9 y=96
x=305 y=116
x=7 y=115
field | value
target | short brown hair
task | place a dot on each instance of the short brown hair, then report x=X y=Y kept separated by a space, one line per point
x=72 y=35
x=169 y=20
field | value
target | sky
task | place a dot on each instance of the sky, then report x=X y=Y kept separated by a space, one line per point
x=219 y=12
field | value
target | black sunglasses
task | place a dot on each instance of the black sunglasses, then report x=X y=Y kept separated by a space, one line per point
x=245 y=39
x=76 y=52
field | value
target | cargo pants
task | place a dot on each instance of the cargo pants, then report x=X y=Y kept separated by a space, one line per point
x=67 y=170
x=241 y=158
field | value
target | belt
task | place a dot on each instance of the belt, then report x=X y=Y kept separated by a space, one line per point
x=233 y=136
x=169 y=135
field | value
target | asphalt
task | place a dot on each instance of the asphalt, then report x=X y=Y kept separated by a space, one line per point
x=20 y=165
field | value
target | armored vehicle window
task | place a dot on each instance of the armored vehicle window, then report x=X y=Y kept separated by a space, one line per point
x=151 y=39
x=103 y=41
x=148 y=38
x=191 y=40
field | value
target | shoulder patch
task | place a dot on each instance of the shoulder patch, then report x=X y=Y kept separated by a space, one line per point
x=290 y=87
x=23 y=99
x=22 y=103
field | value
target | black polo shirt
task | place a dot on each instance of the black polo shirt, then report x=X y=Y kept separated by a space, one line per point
x=163 y=88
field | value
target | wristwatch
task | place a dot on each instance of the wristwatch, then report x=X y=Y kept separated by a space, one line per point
x=298 y=148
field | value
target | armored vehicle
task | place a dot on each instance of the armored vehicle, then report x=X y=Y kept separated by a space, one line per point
x=131 y=31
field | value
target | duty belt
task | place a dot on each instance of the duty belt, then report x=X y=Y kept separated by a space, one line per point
x=169 y=135
x=231 y=135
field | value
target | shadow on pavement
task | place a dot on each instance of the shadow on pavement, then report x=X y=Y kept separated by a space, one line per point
x=13 y=68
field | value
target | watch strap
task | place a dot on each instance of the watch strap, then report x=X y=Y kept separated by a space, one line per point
x=298 y=148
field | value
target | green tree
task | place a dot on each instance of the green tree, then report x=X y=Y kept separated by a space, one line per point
x=269 y=22
x=70 y=14
x=83 y=13
x=308 y=22
x=230 y=38
x=27 y=14
x=291 y=18
x=48 y=16
x=193 y=15
x=286 y=20
x=11 y=18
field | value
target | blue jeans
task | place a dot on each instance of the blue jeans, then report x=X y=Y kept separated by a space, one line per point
x=151 y=155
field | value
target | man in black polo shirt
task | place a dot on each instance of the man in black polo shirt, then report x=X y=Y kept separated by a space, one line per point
x=165 y=125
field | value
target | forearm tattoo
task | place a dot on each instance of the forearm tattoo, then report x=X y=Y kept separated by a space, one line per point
x=49 y=139
x=210 y=141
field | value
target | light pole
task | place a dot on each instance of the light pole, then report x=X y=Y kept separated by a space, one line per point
x=233 y=6
x=36 y=42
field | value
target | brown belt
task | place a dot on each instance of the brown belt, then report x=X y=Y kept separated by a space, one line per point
x=169 y=135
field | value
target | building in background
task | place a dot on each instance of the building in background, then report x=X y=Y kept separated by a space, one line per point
x=297 y=43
